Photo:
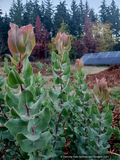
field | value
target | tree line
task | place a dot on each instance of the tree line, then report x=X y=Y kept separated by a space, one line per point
x=89 y=30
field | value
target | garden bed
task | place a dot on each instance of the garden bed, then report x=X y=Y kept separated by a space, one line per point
x=112 y=76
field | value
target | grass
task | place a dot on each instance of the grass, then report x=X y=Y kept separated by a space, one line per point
x=93 y=69
x=114 y=90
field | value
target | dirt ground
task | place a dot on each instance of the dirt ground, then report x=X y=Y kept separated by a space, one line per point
x=111 y=74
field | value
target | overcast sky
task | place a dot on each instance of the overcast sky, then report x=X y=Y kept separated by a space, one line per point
x=5 y=4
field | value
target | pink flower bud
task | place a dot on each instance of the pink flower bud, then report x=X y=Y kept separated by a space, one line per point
x=79 y=64
x=62 y=42
x=101 y=90
x=58 y=43
x=21 y=41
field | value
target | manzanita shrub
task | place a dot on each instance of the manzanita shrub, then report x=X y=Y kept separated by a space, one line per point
x=41 y=124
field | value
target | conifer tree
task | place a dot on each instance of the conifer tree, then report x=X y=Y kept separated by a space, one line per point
x=88 y=40
x=42 y=9
x=87 y=8
x=48 y=15
x=103 y=12
x=42 y=39
x=16 y=12
x=74 y=19
x=0 y=12
x=36 y=11
x=4 y=27
x=117 y=24
x=114 y=19
x=92 y=15
x=81 y=19
x=28 y=13
x=88 y=44
x=60 y=15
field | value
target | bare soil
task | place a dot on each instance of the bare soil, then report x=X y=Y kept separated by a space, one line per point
x=112 y=76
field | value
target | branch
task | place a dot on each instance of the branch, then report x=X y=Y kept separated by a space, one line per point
x=113 y=153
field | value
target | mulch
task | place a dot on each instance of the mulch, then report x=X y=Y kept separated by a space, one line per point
x=112 y=76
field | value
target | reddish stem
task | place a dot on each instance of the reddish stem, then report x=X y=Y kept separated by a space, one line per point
x=22 y=89
x=32 y=128
x=27 y=109
x=61 y=103
x=59 y=120
x=54 y=143
x=19 y=67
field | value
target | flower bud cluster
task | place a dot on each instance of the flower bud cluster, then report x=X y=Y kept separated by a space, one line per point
x=101 y=90
x=20 y=41
x=62 y=42
x=79 y=64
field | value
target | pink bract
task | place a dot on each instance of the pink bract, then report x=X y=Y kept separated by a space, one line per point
x=62 y=42
x=20 y=39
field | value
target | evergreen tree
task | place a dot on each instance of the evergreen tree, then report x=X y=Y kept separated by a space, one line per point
x=86 y=6
x=103 y=14
x=36 y=11
x=16 y=12
x=92 y=15
x=81 y=19
x=1 y=22
x=114 y=18
x=74 y=19
x=108 y=14
x=82 y=12
x=28 y=13
x=42 y=9
x=42 y=39
x=4 y=27
x=48 y=16
x=117 y=24
x=25 y=19
x=88 y=44
x=0 y=12
x=60 y=15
